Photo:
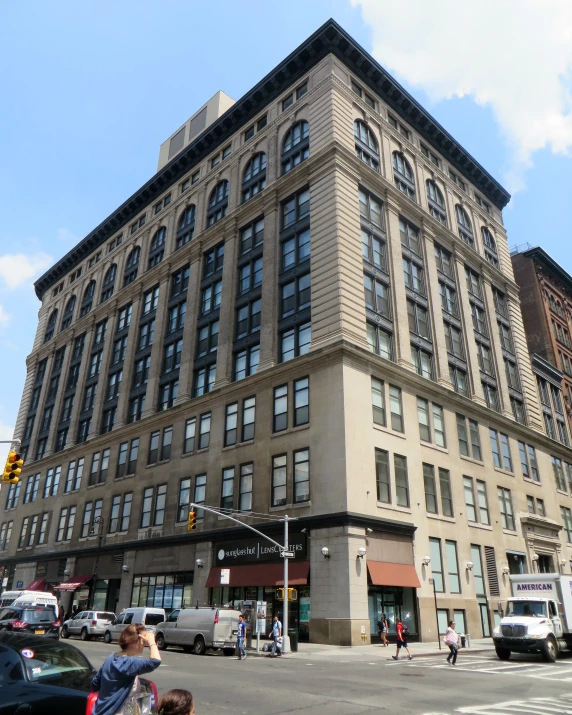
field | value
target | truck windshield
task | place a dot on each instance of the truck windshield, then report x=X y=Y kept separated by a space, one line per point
x=530 y=609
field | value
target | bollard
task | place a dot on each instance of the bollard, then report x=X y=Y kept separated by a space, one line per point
x=468 y=640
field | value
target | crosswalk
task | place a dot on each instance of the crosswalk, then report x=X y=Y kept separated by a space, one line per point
x=556 y=705
x=560 y=671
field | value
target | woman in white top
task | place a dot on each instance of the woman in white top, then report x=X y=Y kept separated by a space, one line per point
x=452 y=640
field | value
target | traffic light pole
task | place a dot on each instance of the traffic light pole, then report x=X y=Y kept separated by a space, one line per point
x=284 y=552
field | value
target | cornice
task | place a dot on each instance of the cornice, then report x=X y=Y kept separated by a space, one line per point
x=328 y=39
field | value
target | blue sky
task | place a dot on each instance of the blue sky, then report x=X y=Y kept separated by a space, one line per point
x=91 y=89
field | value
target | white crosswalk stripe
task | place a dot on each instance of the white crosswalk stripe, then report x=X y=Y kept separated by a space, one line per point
x=560 y=671
x=561 y=705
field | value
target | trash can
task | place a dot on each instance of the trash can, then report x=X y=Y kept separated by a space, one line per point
x=293 y=635
x=463 y=640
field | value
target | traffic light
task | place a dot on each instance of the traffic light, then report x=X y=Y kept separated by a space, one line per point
x=292 y=594
x=279 y=594
x=13 y=467
x=192 y=521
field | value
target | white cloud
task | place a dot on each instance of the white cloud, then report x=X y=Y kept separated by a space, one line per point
x=4 y=317
x=16 y=269
x=514 y=56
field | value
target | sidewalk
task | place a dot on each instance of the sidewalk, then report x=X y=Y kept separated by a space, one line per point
x=310 y=650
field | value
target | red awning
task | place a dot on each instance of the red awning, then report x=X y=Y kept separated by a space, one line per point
x=73 y=583
x=36 y=585
x=262 y=575
x=383 y=573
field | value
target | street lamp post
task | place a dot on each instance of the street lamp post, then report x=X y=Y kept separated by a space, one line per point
x=432 y=582
x=99 y=520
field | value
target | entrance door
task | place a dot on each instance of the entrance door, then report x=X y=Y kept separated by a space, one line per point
x=485 y=626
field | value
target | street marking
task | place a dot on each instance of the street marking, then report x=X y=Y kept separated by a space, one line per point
x=535 y=706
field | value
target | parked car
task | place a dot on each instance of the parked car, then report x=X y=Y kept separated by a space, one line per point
x=196 y=629
x=39 y=620
x=44 y=677
x=87 y=624
x=149 y=617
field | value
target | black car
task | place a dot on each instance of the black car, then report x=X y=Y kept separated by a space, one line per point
x=40 y=676
x=40 y=620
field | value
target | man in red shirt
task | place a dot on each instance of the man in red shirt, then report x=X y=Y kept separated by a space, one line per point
x=401 y=640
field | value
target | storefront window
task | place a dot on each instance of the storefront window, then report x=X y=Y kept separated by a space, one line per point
x=100 y=594
x=166 y=591
x=396 y=603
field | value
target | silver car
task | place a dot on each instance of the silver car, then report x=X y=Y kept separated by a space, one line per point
x=87 y=624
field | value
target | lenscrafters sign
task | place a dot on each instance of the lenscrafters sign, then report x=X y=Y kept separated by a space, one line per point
x=248 y=551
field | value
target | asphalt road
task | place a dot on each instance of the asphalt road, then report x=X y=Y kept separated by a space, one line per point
x=356 y=682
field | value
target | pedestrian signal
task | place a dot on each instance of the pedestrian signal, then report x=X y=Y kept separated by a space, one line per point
x=192 y=521
x=292 y=594
x=13 y=467
x=279 y=594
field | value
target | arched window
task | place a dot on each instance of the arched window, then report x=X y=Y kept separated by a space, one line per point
x=68 y=313
x=49 y=334
x=465 y=226
x=186 y=226
x=87 y=300
x=436 y=202
x=218 y=203
x=490 y=247
x=108 y=283
x=157 y=248
x=131 y=266
x=296 y=146
x=254 y=177
x=403 y=175
x=366 y=144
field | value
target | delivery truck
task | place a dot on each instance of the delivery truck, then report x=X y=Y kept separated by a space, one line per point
x=537 y=618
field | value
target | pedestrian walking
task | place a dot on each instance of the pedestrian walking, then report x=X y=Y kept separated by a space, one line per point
x=176 y=702
x=240 y=637
x=452 y=640
x=116 y=680
x=61 y=613
x=275 y=635
x=402 y=635
x=383 y=627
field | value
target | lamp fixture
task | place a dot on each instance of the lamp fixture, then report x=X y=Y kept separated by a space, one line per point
x=505 y=570
x=426 y=560
x=125 y=568
x=470 y=565
x=361 y=552
x=199 y=563
x=325 y=552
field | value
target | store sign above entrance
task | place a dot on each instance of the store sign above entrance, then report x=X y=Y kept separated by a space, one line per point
x=256 y=550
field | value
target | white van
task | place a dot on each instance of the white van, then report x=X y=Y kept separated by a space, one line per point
x=148 y=617
x=28 y=598
x=196 y=629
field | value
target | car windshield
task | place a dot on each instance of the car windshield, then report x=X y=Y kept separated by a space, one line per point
x=530 y=609
x=51 y=660
x=153 y=619
x=106 y=616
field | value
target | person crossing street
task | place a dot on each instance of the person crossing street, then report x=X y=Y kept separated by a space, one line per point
x=275 y=635
x=240 y=638
x=402 y=634
x=452 y=640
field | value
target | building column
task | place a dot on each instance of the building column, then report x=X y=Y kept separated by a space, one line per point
x=189 y=331
x=402 y=337
x=128 y=365
x=95 y=426
x=152 y=391
x=465 y=310
x=76 y=409
x=31 y=367
x=40 y=411
x=502 y=382
x=204 y=552
x=270 y=268
x=60 y=396
x=226 y=319
x=441 y=355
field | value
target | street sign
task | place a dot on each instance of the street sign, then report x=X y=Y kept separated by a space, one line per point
x=287 y=554
x=224 y=577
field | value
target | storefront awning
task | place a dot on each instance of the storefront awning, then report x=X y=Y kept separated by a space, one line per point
x=383 y=573
x=262 y=575
x=36 y=585
x=73 y=583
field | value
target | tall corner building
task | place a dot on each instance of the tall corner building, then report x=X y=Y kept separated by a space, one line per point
x=310 y=310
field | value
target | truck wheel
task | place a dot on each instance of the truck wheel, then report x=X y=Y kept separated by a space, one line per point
x=65 y=633
x=107 y=637
x=503 y=653
x=200 y=647
x=85 y=635
x=228 y=651
x=550 y=650
x=160 y=640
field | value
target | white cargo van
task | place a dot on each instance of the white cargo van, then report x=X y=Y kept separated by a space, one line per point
x=28 y=598
x=148 y=617
x=538 y=617
x=196 y=629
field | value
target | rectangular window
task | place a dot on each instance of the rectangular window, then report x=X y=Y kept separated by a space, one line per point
x=437 y=564
x=501 y=450
x=146 y=508
x=558 y=474
x=52 y=482
x=200 y=492
x=231 y=424
x=153 y=447
x=280 y=408
x=248 y=418
x=453 y=566
x=114 y=514
x=126 y=512
x=382 y=476
x=378 y=401
x=42 y=534
x=483 y=503
x=159 y=514
x=301 y=401
x=446 y=493
x=301 y=476
x=396 y=408
x=438 y=425
x=245 y=487
x=505 y=506
x=401 y=481
x=190 y=427
x=184 y=499
x=205 y=430
x=430 y=489
x=279 y=480
x=227 y=491
x=166 y=443
x=74 y=475
x=423 y=418
x=567 y=522
x=470 y=499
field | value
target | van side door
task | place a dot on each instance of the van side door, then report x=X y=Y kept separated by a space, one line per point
x=170 y=628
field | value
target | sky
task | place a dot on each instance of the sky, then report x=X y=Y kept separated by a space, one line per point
x=91 y=89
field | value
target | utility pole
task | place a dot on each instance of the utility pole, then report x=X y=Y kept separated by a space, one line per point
x=284 y=552
x=432 y=581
